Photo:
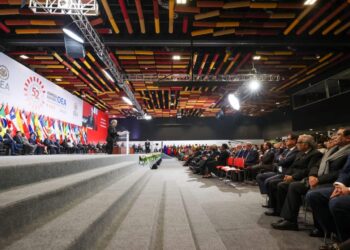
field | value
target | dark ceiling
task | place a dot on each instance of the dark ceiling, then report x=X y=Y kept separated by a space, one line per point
x=303 y=44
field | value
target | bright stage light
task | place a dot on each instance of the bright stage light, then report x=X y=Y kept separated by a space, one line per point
x=310 y=2
x=127 y=100
x=147 y=117
x=105 y=72
x=254 y=85
x=234 y=102
x=72 y=35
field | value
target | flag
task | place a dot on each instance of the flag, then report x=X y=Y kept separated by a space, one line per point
x=30 y=122
x=2 y=111
x=12 y=118
x=38 y=128
x=25 y=123
x=19 y=121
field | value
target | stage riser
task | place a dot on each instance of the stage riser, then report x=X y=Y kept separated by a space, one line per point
x=24 y=212
x=80 y=226
x=17 y=175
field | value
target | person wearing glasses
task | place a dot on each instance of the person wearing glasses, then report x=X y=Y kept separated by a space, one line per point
x=306 y=159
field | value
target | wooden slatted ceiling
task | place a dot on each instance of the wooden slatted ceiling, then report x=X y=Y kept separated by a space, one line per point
x=201 y=19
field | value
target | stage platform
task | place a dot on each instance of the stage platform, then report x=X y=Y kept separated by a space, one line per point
x=112 y=202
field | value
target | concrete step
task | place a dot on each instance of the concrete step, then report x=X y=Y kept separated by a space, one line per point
x=138 y=229
x=29 y=169
x=81 y=226
x=177 y=232
x=22 y=206
x=205 y=234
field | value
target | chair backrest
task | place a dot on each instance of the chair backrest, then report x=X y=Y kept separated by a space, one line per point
x=230 y=161
x=239 y=163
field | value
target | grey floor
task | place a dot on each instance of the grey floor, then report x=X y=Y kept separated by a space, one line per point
x=236 y=213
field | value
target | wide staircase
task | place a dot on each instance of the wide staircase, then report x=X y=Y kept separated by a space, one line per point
x=99 y=203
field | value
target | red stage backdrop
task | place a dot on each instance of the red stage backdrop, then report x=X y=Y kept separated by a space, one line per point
x=96 y=122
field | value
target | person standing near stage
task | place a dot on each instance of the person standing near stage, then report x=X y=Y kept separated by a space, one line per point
x=148 y=147
x=112 y=136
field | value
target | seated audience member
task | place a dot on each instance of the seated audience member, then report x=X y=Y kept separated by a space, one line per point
x=19 y=141
x=40 y=148
x=306 y=159
x=53 y=149
x=207 y=156
x=251 y=156
x=27 y=146
x=219 y=160
x=330 y=208
x=320 y=175
x=282 y=162
x=265 y=162
x=11 y=143
x=68 y=146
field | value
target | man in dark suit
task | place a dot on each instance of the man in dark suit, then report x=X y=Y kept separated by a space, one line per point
x=282 y=163
x=322 y=175
x=219 y=160
x=265 y=162
x=330 y=206
x=307 y=157
x=11 y=143
x=251 y=156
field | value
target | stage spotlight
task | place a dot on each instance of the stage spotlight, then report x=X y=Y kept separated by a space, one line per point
x=254 y=85
x=127 y=100
x=147 y=117
x=234 y=102
x=105 y=72
x=72 y=35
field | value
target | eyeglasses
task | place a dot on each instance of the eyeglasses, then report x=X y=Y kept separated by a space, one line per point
x=300 y=142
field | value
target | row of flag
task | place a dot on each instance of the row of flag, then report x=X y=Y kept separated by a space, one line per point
x=43 y=126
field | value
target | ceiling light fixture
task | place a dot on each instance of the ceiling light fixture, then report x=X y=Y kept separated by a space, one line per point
x=58 y=80
x=73 y=35
x=135 y=109
x=176 y=57
x=310 y=2
x=181 y=1
x=234 y=102
x=105 y=72
x=127 y=100
x=256 y=58
x=254 y=85
x=24 y=57
x=147 y=117
x=277 y=103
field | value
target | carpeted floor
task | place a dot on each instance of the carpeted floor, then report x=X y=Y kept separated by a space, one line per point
x=236 y=213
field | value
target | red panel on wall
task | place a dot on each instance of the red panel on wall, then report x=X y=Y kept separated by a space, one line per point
x=96 y=122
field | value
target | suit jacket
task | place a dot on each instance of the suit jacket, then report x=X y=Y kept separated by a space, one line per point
x=18 y=140
x=252 y=157
x=334 y=168
x=112 y=134
x=8 y=139
x=223 y=158
x=290 y=156
x=268 y=157
x=344 y=175
x=303 y=164
x=1 y=140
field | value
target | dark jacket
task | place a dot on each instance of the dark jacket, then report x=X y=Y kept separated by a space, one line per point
x=290 y=156
x=112 y=134
x=303 y=163
x=8 y=139
x=252 y=158
x=334 y=168
x=268 y=157
x=223 y=158
x=344 y=175
x=18 y=139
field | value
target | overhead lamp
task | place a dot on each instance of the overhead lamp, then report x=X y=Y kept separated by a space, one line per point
x=147 y=117
x=310 y=2
x=127 y=100
x=234 y=102
x=181 y=1
x=277 y=103
x=105 y=72
x=58 y=80
x=24 y=57
x=73 y=35
x=176 y=57
x=135 y=109
x=256 y=58
x=254 y=85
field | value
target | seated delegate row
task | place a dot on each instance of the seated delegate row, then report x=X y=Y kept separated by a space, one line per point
x=287 y=176
x=20 y=145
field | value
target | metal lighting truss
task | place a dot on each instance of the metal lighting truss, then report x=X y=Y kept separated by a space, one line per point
x=65 y=7
x=78 y=14
x=202 y=78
